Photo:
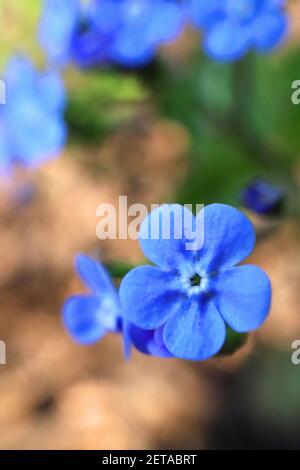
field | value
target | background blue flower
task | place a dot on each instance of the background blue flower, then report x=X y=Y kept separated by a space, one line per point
x=58 y=26
x=32 y=127
x=192 y=293
x=232 y=27
x=89 y=317
x=126 y=32
x=138 y=27
x=262 y=197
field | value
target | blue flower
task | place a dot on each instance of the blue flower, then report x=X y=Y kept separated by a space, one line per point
x=58 y=27
x=195 y=289
x=232 y=27
x=262 y=197
x=125 y=32
x=89 y=317
x=138 y=27
x=32 y=128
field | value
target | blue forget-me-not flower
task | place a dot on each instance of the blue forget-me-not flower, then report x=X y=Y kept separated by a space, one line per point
x=32 y=127
x=193 y=292
x=89 y=317
x=138 y=27
x=232 y=27
x=263 y=197
x=125 y=32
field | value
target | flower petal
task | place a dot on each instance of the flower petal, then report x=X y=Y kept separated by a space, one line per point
x=105 y=15
x=94 y=276
x=5 y=157
x=131 y=47
x=81 y=319
x=167 y=22
x=156 y=346
x=269 y=30
x=243 y=297
x=51 y=90
x=166 y=234
x=149 y=296
x=196 y=332
x=36 y=134
x=226 y=41
x=229 y=237
x=58 y=23
x=204 y=13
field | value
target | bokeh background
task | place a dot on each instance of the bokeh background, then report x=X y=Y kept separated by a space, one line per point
x=165 y=133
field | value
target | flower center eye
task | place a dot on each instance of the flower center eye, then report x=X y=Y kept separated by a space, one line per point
x=195 y=280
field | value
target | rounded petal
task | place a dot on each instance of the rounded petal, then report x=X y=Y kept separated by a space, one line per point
x=105 y=15
x=82 y=320
x=196 y=332
x=243 y=297
x=204 y=13
x=269 y=30
x=58 y=23
x=51 y=90
x=5 y=157
x=148 y=342
x=35 y=133
x=226 y=41
x=229 y=237
x=131 y=47
x=94 y=276
x=167 y=22
x=166 y=235
x=19 y=74
x=156 y=346
x=149 y=296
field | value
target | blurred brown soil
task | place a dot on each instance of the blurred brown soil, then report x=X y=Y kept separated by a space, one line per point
x=55 y=394
x=58 y=395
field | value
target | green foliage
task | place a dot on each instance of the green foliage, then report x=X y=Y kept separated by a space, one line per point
x=18 y=24
x=100 y=101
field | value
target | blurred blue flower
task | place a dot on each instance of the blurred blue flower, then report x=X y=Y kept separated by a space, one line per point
x=232 y=27
x=262 y=197
x=137 y=27
x=125 y=32
x=191 y=293
x=58 y=26
x=32 y=128
x=89 y=317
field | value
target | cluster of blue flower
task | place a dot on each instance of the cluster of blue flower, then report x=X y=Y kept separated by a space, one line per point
x=124 y=32
x=128 y=32
x=233 y=27
x=179 y=307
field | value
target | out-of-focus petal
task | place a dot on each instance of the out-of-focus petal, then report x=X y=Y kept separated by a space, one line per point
x=226 y=41
x=59 y=21
x=205 y=13
x=167 y=22
x=82 y=319
x=269 y=30
x=94 y=276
